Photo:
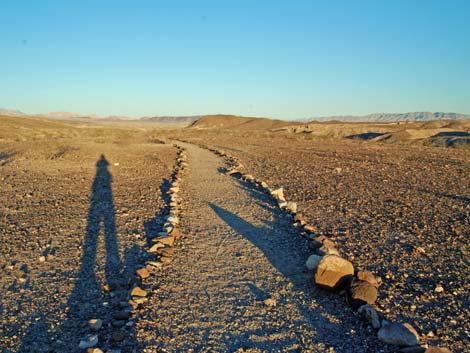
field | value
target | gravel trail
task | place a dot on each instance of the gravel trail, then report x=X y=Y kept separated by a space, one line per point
x=240 y=250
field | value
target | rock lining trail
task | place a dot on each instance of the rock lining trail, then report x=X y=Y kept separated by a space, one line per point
x=240 y=250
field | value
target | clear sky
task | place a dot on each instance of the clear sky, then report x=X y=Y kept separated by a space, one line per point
x=284 y=59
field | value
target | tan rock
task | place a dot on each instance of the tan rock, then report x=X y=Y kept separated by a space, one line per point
x=142 y=273
x=333 y=272
x=167 y=240
x=138 y=292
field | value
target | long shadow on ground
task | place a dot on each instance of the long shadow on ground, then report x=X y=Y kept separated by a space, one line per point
x=89 y=299
x=287 y=253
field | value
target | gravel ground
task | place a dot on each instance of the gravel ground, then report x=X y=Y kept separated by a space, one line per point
x=72 y=221
x=240 y=250
x=399 y=211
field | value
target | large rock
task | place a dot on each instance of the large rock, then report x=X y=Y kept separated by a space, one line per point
x=360 y=293
x=333 y=272
x=398 y=334
x=313 y=261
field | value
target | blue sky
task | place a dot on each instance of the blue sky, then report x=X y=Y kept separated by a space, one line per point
x=283 y=59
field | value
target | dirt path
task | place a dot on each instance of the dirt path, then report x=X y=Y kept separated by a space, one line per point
x=239 y=251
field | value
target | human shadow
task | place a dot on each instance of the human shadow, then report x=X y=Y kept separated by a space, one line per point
x=99 y=289
x=287 y=253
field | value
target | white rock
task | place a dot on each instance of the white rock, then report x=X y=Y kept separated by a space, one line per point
x=278 y=194
x=292 y=207
x=173 y=220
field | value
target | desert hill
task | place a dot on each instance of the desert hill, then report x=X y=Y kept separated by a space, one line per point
x=222 y=121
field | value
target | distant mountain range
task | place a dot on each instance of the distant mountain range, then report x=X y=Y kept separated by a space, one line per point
x=390 y=117
x=187 y=120
x=172 y=119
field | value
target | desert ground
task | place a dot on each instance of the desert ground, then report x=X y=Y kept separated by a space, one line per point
x=81 y=202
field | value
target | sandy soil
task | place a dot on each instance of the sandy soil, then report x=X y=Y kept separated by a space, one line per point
x=239 y=251
x=77 y=203
x=399 y=211
x=72 y=221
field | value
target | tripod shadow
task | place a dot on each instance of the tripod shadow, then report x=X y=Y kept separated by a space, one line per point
x=88 y=299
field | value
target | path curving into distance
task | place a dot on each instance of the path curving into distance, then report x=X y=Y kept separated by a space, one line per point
x=240 y=250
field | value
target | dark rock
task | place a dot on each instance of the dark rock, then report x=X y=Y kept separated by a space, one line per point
x=361 y=293
x=398 y=334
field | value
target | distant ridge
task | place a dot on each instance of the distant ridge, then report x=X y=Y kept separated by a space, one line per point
x=11 y=112
x=172 y=119
x=390 y=117
x=223 y=121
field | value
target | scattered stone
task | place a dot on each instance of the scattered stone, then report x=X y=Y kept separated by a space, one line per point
x=233 y=171
x=166 y=251
x=118 y=336
x=138 y=292
x=333 y=272
x=278 y=194
x=88 y=342
x=156 y=264
x=438 y=350
x=398 y=334
x=173 y=220
x=121 y=315
x=142 y=273
x=94 y=350
x=165 y=259
x=139 y=300
x=439 y=289
x=318 y=242
x=369 y=277
x=371 y=315
x=414 y=349
x=118 y=323
x=173 y=190
x=42 y=258
x=176 y=233
x=313 y=261
x=326 y=250
x=95 y=324
x=167 y=240
x=309 y=228
x=270 y=302
x=291 y=207
x=154 y=248
x=360 y=293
